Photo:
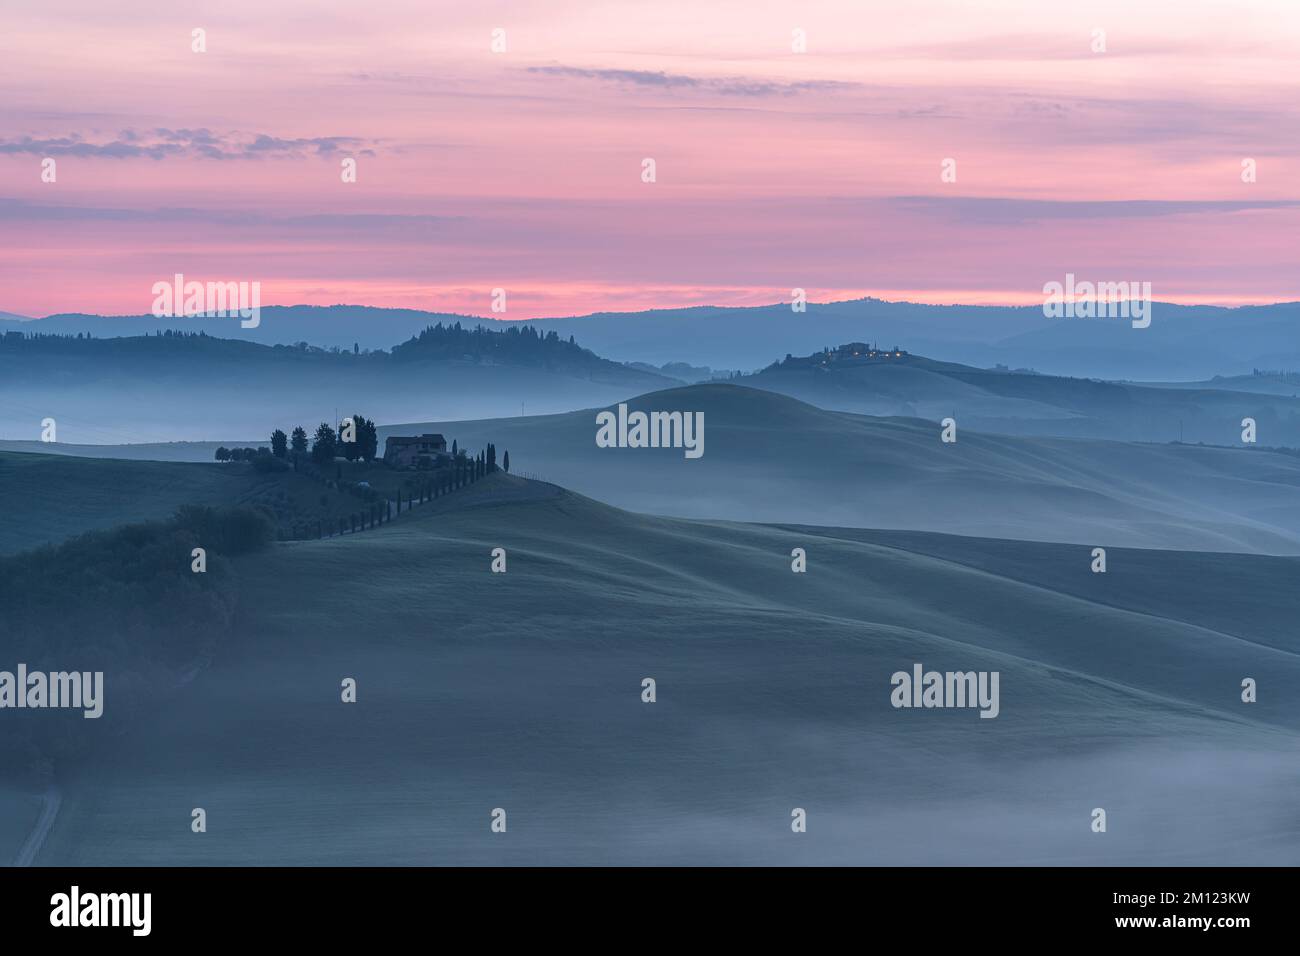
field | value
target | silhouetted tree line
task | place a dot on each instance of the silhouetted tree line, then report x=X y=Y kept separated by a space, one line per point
x=517 y=345
x=326 y=445
x=463 y=470
x=329 y=443
x=212 y=344
x=17 y=337
x=87 y=343
x=240 y=454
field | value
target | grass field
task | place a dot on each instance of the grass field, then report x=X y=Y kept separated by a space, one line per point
x=54 y=497
x=19 y=809
x=522 y=691
x=771 y=458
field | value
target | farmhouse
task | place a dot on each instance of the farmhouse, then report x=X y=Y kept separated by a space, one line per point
x=861 y=351
x=854 y=353
x=415 y=451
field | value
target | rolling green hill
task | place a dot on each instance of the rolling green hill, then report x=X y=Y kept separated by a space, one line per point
x=161 y=388
x=54 y=497
x=1024 y=403
x=774 y=459
x=771 y=458
x=523 y=691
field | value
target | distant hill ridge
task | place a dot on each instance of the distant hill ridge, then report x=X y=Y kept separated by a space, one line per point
x=771 y=458
x=516 y=345
x=871 y=380
x=173 y=385
x=1183 y=343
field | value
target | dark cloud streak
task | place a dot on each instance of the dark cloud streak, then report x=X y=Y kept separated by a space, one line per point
x=163 y=143
x=724 y=86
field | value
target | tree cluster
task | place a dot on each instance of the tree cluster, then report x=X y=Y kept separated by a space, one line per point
x=326 y=444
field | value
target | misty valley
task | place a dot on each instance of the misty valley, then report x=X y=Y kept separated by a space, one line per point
x=331 y=598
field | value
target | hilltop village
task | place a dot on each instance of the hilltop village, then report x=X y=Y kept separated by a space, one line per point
x=854 y=353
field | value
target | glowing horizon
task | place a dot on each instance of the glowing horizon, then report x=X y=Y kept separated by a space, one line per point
x=522 y=169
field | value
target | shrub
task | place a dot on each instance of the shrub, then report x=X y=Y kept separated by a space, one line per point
x=266 y=464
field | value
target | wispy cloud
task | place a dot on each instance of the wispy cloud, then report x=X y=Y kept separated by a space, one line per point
x=19 y=210
x=722 y=86
x=1008 y=210
x=162 y=143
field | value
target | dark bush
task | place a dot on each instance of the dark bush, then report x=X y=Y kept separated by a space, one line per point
x=266 y=463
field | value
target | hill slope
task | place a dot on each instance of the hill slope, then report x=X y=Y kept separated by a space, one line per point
x=167 y=388
x=1018 y=403
x=771 y=458
x=54 y=497
x=522 y=690
x=1183 y=342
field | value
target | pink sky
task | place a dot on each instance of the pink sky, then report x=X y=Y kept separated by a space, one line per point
x=522 y=169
